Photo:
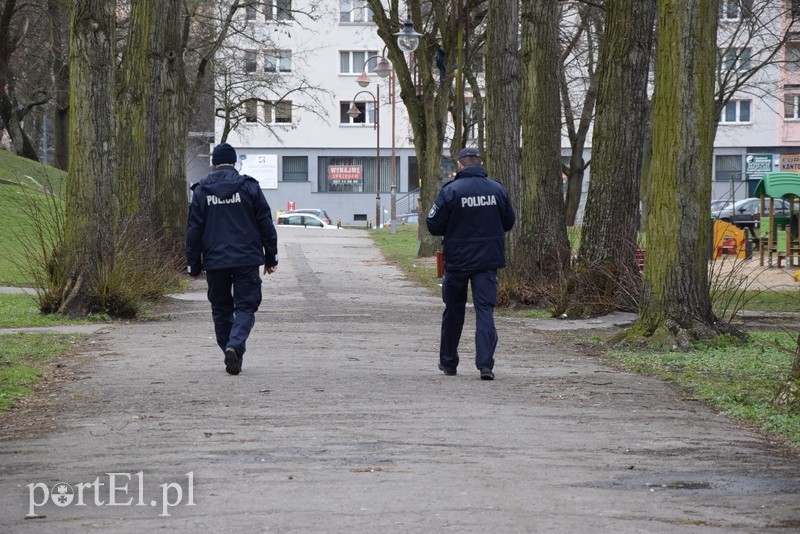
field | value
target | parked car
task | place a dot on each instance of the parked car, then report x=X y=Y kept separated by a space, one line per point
x=303 y=220
x=747 y=212
x=319 y=213
x=406 y=218
x=717 y=205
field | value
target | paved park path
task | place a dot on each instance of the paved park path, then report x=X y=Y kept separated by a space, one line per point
x=340 y=422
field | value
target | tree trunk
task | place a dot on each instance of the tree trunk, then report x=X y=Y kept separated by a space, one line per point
x=542 y=253
x=577 y=166
x=89 y=241
x=607 y=256
x=676 y=305
x=426 y=99
x=22 y=144
x=9 y=113
x=789 y=393
x=429 y=140
x=171 y=191
x=138 y=113
x=502 y=108
x=60 y=69
x=583 y=44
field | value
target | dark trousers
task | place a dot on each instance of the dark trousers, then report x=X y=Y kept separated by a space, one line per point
x=235 y=295
x=484 y=298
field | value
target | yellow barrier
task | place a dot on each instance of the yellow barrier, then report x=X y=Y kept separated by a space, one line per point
x=729 y=240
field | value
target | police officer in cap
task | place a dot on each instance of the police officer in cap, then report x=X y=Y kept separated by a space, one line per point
x=473 y=213
x=230 y=234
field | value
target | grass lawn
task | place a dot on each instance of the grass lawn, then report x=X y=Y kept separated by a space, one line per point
x=21 y=180
x=740 y=379
x=23 y=359
x=401 y=247
x=22 y=311
x=775 y=301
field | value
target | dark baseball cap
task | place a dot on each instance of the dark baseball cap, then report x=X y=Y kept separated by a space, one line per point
x=468 y=152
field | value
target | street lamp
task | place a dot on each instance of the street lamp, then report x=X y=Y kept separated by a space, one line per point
x=408 y=41
x=355 y=112
x=383 y=69
x=408 y=37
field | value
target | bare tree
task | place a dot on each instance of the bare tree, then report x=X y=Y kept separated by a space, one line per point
x=426 y=94
x=251 y=85
x=752 y=40
x=581 y=30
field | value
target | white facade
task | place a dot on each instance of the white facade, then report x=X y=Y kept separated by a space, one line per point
x=326 y=55
x=319 y=158
x=755 y=135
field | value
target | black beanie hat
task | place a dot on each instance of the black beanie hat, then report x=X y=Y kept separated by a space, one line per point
x=223 y=153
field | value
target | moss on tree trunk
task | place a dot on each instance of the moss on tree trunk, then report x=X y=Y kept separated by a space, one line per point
x=675 y=299
x=542 y=250
x=90 y=201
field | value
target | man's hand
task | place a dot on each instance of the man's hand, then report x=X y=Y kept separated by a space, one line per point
x=270 y=270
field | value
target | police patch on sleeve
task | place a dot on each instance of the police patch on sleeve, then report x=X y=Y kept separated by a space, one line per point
x=433 y=211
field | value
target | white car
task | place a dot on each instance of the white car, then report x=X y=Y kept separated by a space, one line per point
x=303 y=220
x=322 y=214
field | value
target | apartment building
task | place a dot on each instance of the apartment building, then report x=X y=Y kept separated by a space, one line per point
x=301 y=138
x=759 y=128
x=311 y=135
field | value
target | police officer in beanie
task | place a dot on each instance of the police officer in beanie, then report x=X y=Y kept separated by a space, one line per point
x=473 y=213
x=229 y=235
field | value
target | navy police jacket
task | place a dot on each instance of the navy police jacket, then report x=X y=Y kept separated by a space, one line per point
x=230 y=224
x=473 y=213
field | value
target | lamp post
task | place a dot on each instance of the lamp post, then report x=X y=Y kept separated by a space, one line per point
x=383 y=69
x=355 y=112
x=408 y=41
x=408 y=38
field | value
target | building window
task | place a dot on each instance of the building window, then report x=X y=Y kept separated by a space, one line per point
x=352 y=61
x=791 y=106
x=367 y=114
x=728 y=168
x=283 y=111
x=354 y=11
x=250 y=111
x=278 y=112
x=250 y=61
x=793 y=56
x=278 y=61
x=250 y=12
x=736 y=111
x=732 y=9
x=352 y=174
x=735 y=58
x=279 y=10
x=295 y=168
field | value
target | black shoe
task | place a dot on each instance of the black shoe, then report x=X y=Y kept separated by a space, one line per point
x=449 y=371
x=233 y=364
x=487 y=374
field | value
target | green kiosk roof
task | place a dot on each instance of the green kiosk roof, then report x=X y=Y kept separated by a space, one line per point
x=778 y=185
